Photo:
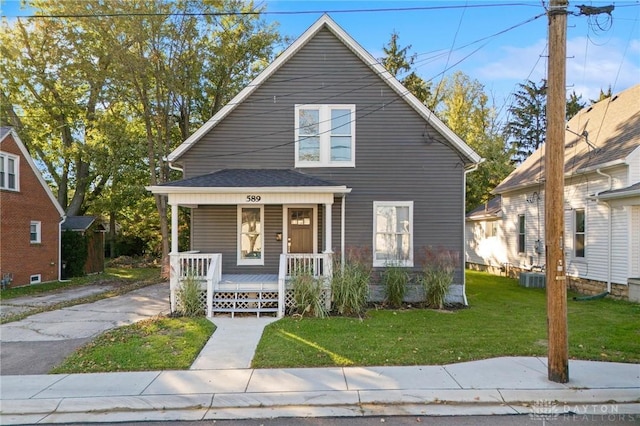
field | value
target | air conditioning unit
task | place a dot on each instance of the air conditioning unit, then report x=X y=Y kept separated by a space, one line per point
x=532 y=280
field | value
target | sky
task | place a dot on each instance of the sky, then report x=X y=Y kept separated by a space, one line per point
x=499 y=43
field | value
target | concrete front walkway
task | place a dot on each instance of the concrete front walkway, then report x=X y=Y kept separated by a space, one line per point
x=233 y=344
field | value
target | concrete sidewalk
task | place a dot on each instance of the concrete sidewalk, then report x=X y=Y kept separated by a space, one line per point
x=512 y=385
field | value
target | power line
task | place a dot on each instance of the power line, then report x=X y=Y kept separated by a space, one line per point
x=260 y=13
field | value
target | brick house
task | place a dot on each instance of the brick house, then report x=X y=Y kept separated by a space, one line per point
x=30 y=218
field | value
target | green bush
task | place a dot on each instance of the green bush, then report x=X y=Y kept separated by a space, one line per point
x=74 y=253
x=307 y=295
x=350 y=284
x=437 y=274
x=394 y=279
x=188 y=294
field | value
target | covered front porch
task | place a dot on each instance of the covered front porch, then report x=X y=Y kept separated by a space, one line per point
x=248 y=241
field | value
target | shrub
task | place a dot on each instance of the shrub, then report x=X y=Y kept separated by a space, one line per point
x=350 y=283
x=74 y=253
x=437 y=274
x=394 y=279
x=188 y=294
x=307 y=295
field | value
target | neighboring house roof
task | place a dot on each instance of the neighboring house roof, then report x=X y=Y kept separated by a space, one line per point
x=78 y=223
x=628 y=192
x=599 y=136
x=492 y=209
x=326 y=22
x=254 y=178
x=6 y=131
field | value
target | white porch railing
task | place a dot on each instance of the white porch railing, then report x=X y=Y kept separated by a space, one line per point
x=204 y=267
x=318 y=265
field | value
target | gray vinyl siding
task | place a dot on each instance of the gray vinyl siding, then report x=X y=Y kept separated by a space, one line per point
x=399 y=157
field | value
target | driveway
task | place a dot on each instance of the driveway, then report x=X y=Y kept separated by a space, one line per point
x=40 y=342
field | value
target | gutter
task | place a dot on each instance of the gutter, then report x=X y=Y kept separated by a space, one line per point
x=464 y=228
x=62 y=219
x=610 y=237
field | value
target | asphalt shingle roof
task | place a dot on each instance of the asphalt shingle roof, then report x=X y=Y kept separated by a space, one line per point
x=612 y=128
x=78 y=223
x=250 y=178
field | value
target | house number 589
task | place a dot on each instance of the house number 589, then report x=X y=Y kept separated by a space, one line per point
x=253 y=198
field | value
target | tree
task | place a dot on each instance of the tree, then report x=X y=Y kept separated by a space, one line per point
x=527 y=126
x=466 y=111
x=574 y=105
x=397 y=62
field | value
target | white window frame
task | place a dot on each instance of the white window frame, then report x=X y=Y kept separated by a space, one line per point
x=324 y=133
x=576 y=233
x=38 y=232
x=4 y=167
x=385 y=262
x=242 y=261
x=35 y=279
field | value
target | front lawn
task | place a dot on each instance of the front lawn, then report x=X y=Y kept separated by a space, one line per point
x=503 y=319
x=153 y=344
x=114 y=276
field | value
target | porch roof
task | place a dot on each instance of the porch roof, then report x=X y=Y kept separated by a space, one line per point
x=238 y=180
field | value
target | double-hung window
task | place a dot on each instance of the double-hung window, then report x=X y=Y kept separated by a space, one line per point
x=521 y=234
x=250 y=235
x=8 y=172
x=393 y=233
x=35 y=232
x=579 y=233
x=325 y=135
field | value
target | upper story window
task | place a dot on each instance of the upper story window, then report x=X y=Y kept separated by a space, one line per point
x=579 y=233
x=9 y=171
x=325 y=135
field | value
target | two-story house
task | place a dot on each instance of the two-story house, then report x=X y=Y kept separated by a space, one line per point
x=324 y=151
x=30 y=218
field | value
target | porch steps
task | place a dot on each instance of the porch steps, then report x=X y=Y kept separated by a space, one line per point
x=255 y=294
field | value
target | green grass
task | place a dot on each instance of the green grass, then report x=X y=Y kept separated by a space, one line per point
x=121 y=275
x=154 y=344
x=503 y=319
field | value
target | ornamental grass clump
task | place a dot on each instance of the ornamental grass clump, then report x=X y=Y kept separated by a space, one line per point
x=350 y=283
x=438 y=268
x=394 y=279
x=307 y=295
x=189 y=302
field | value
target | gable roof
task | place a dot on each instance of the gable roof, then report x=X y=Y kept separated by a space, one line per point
x=4 y=133
x=326 y=22
x=599 y=136
x=78 y=223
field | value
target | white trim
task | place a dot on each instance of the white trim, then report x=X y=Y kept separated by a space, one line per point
x=324 y=135
x=326 y=22
x=575 y=234
x=37 y=280
x=381 y=263
x=165 y=189
x=235 y=199
x=240 y=260
x=285 y=224
x=27 y=157
x=38 y=225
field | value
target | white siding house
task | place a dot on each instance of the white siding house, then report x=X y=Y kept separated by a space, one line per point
x=601 y=198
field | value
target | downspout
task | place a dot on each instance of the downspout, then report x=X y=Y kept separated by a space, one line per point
x=342 y=238
x=62 y=219
x=610 y=237
x=464 y=228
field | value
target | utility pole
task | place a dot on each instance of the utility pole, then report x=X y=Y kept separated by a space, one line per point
x=558 y=357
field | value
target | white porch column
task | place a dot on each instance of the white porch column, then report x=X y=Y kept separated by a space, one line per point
x=174 y=228
x=327 y=228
